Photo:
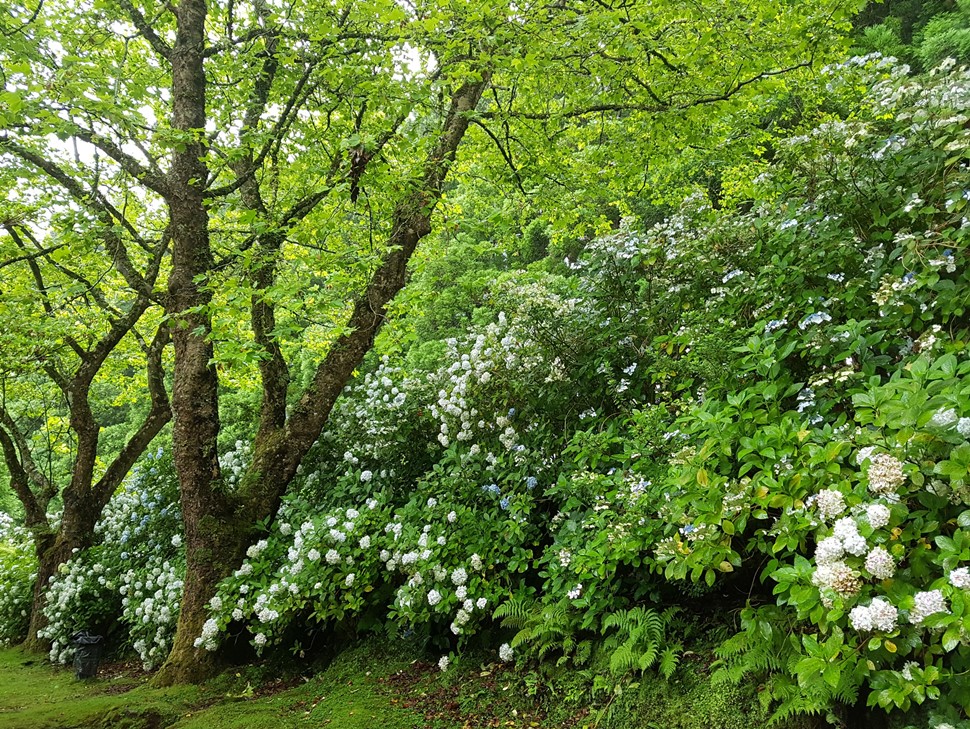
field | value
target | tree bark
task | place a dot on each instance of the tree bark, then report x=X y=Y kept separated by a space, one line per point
x=207 y=511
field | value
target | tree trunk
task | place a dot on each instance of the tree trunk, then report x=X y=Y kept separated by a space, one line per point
x=207 y=511
x=51 y=554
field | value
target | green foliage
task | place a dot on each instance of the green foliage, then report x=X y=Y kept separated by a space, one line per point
x=637 y=641
x=674 y=406
x=547 y=629
x=924 y=34
x=18 y=565
x=946 y=36
x=128 y=586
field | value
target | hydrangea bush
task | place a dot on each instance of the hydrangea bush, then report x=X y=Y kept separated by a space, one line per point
x=129 y=584
x=18 y=565
x=772 y=397
x=834 y=465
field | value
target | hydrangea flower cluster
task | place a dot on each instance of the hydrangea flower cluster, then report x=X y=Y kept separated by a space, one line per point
x=150 y=607
x=877 y=615
x=929 y=602
x=885 y=474
x=234 y=462
x=830 y=503
x=81 y=596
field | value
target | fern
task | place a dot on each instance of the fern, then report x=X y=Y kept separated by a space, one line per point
x=796 y=681
x=637 y=642
x=545 y=628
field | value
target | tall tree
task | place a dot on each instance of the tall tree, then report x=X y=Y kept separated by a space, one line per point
x=299 y=151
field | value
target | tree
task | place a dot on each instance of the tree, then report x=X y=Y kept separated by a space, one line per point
x=305 y=150
x=63 y=333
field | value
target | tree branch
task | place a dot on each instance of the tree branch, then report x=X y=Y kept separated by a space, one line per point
x=19 y=482
x=411 y=222
x=95 y=201
x=159 y=414
x=146 y=30
x=151 y=180
x=25 y=458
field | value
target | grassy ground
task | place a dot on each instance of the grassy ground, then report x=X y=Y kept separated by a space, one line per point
x=363 y=687
x=37 y=696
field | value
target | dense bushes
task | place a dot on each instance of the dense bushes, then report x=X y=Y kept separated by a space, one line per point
x=772 y=396
x=18 y=566
x=130 y=583
x=764 y=409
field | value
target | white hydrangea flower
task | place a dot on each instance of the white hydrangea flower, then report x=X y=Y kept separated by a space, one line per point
x=884 y=615
x=838 y=577
x=830 y=503
x=885 y=474
x=845 y=528
x=878 y=515
x=349 y=580
x=476 y=562
x=855 y=544
x=963 y=427
x=333 y=556
x=943 y=418
x=960 y=578
x=260 y=639
x=907 y=671
x=829 y=550
x=444 y=662
x=459 y=576
x=434 y=597
x=481 y=602
x=575 y=592
x=505 y=652
x=927 y=603
x=880 y=564
x=860 y=618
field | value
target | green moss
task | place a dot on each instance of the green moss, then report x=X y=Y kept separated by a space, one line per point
x=34 y=695
x=690 y=701
x=348 y=693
